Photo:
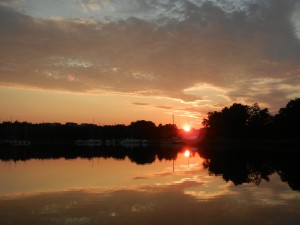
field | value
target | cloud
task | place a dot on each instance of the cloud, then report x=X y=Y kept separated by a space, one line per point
x=140 y=103
x=90 y=5
x=70 y=78
x=164 y=107
x=219 y=51
x=11 y=1
x=140 y=178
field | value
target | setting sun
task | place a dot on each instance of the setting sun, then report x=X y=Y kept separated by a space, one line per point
x=187 y=128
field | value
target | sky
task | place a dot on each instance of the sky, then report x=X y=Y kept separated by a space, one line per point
x=118 y=61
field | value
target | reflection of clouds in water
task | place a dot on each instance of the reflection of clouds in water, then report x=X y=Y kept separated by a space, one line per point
x=192 y=200
x=188 y=166
x=267 y=193
x=113 y=214
x=142 y=208
x=181 y=169
x=71 y=221
x=187 y=176
x=209 y=191
x=50 y=209
x=209 y=187
x=55 y=207
x=198 y=187
x=162 y=174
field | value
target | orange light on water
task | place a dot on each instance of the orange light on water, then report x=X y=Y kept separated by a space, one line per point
x=187 y=153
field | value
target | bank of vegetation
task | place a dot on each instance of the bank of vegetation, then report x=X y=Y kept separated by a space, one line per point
x=243 y=122
x=236 y=123
x=49 y=132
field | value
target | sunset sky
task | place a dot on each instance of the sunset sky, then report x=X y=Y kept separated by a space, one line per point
x=117 y=61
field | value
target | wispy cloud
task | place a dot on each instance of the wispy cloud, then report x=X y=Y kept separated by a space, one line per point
x=140 y=103
x=218 y=51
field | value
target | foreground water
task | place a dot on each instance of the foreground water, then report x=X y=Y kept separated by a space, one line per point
x=183 y=189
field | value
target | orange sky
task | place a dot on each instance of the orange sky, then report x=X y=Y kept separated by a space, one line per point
x=52 y=106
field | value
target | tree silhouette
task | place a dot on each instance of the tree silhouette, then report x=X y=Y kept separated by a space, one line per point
x=243 y=122
x=287 y=121
x=258 y=121
x=70 y=131
x=142 y=129
x=229 y=123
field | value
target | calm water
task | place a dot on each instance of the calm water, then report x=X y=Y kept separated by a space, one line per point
x=184 y=188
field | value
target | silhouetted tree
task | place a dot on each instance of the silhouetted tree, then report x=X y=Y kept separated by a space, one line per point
x=166 y=131
x=235 y=119
x=258 y=121
x=60 y=132
x=143 y=129
x=287 y=121
x=241 y=121
x=229 y=123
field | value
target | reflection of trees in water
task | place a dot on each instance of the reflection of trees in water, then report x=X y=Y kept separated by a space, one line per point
x=237 y=164
x=142 y=157
x=138 y=155
x=239 y=170
x=250 y=166
x=288 y=169
x=149 y=155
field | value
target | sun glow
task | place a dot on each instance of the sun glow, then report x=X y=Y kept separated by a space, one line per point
x=187 y=153
x=187 y=128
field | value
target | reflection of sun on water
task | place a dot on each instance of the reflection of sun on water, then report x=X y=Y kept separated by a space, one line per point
x=187 y=128
x=187 y=153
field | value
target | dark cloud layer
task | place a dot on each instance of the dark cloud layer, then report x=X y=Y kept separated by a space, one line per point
x=253 y=54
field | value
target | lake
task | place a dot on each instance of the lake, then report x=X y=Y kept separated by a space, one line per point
x=148 y=186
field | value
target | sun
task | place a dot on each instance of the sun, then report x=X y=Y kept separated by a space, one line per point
x=187 y=128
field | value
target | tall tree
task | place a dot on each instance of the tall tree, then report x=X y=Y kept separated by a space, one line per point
x=287 y=121
x=259 y=121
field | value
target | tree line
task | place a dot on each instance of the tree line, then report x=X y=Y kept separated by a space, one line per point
x=140 y=129
x=241 y=121
x=238 y=121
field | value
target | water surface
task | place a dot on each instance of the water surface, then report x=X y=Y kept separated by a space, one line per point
x=185 y=189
